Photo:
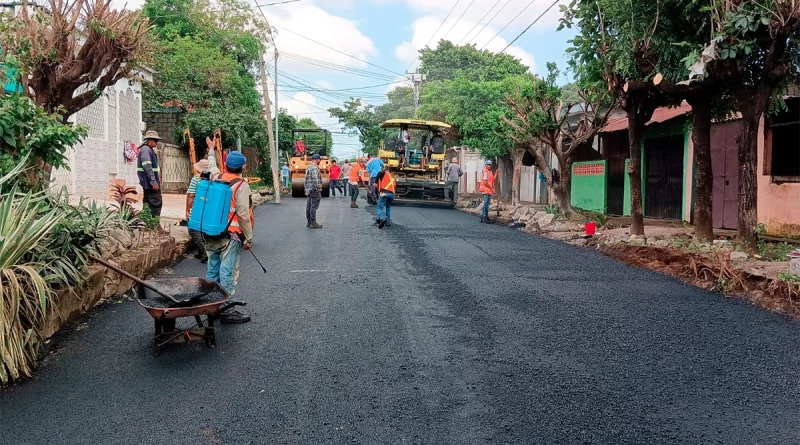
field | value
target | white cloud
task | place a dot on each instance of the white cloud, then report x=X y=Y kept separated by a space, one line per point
x=317 y=24
x=423 y=32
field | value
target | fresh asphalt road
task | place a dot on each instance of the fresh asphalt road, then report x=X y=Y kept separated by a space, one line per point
x=438 y=330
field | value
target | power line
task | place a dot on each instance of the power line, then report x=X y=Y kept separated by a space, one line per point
x=510 y=22
x=336 y=67
x=458 y=19
x=340 y=52
x=479 y=22
x=437 y=30
x=529 y=26
x=277 y=3
x=309 y=87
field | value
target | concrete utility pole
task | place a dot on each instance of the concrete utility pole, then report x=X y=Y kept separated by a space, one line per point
x=273 y=154
x=417 y=79
x=277 y=111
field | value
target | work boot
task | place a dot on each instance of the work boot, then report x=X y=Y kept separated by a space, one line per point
x=234 y=317
x=315 y=226
x=353 y=205
x=381 y=223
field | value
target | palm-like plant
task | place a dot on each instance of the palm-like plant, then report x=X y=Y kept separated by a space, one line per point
x=25 y=292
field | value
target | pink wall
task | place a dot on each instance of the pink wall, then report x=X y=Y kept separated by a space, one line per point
x=778 y=204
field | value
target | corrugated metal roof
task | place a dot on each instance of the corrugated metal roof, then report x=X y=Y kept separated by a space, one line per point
x=660 y=115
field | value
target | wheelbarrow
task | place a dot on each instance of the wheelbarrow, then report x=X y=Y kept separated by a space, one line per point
x=172 y=298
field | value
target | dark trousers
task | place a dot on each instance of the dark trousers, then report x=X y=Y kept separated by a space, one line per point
x=354 y=191
x=197 y=241
x=336 y=184
x=312 y=204
x=451 y=190
x=153 y=200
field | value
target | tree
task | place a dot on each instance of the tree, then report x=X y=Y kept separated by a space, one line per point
x=314 y=141
x=69 y=51
x=624 y=44
x=29 y=133
x=361 y=119
x=754 y=53
x=447 y=60
x=542 y=119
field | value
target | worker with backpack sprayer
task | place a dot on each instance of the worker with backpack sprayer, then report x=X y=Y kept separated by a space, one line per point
x=222 y=212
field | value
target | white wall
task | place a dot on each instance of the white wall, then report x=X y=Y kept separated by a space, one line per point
x=472 y=164
x=114 y=120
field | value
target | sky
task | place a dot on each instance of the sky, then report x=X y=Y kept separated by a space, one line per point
x=329 y=50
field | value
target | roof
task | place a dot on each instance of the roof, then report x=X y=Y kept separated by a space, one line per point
x=415 y=123
x=662 y=114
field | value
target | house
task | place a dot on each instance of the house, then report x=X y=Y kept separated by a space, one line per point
x=668 y=169
x=115 y=122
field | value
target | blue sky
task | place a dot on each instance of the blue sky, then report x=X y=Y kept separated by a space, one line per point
x=386 y=34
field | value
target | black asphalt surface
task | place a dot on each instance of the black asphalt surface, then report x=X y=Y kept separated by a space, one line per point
x=438 y=330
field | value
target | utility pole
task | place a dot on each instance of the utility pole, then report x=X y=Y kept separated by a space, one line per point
x=273 y=155
x=417 y=79
x=277 y=112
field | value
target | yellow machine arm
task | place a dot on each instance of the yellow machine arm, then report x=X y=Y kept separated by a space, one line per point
x=192 y=153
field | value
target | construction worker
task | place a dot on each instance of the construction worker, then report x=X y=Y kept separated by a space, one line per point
x=353 y=181
x=452 y=175
x=346 y=169
x=195 y=235
x=487 y=189
x=386 y=185
x=148 y=172
x=313 y=187
x=374 y=166
x=285 y=173
x=224 y=251
x=335 y=176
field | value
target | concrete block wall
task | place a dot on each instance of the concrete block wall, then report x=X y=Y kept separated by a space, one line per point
x=165 y=123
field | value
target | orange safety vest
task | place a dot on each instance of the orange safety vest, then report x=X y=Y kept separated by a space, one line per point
x=487 y=181
x=232 y=216
x=387 y=183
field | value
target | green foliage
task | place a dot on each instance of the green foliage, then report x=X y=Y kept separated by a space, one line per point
x=601 y=218
x=46 y=245
x=619 y=41
x=146 y=216
x=788 y=277
x=361 y=119
x=448 y=60
x=207 y=55
x=553 y=209
x=29 y=133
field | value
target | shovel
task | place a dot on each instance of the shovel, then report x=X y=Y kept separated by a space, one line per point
x=143 y=283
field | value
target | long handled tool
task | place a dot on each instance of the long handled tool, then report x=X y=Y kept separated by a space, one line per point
x=259 y=262
x=136 y=279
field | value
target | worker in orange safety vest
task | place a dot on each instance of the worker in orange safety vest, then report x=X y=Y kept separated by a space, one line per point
x=386 y=186
x=487 y=189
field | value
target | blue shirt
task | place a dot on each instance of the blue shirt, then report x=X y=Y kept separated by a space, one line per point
x=374 y=167
x=285 y=171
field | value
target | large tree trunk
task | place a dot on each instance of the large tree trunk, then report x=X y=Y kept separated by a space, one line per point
x=635 y=129
x=563 y=189
x=516 y=157
x=704 y=177
x=505 y=165
x=748 y=181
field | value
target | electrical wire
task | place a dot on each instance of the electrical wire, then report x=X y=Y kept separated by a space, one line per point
x=437 y=30
x=338 y=51
x=529 y=26
x=479 y=22
x=507 y=24
x=340 y=68
x=458 y=20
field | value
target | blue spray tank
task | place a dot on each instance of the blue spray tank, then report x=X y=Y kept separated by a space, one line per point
x=211 y=208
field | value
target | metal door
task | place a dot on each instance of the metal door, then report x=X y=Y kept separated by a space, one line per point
x=664 y=177
x=616 y=185
x=725 y=166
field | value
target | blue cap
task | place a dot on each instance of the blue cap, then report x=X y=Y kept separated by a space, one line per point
x=235 y=159
x=315 y=157
x=489 y=162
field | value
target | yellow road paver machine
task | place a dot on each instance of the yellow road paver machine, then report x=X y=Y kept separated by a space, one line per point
x=414 y=151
